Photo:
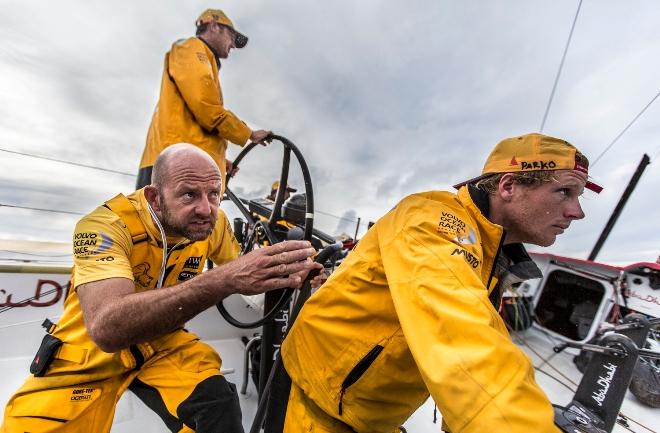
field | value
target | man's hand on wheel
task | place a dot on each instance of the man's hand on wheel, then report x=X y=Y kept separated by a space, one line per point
x=279 y=266
x=231 y=170
x=261 y=136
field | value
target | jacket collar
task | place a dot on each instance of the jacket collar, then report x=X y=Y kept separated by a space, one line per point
x=215 y=54
x=480 y=199
x=513 y=259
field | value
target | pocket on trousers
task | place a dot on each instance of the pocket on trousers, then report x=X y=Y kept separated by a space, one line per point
x=54 y=405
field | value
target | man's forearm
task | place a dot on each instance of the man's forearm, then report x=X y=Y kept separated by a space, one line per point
x=143 y=316
x=116 y=316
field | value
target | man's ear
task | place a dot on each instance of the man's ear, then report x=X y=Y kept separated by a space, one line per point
x=153 y=197
x=506 y=187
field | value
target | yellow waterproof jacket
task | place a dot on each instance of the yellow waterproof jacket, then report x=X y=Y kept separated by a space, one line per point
x=120 y=239
x=191 y=108
x=408 y=313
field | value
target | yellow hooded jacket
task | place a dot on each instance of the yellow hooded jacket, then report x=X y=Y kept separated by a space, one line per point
x=408 y=314
x=191 y=108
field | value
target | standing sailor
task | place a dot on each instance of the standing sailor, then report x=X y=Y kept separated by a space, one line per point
x=191 y=108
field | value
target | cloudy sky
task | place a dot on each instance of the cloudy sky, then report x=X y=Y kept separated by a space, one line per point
x=384 y=99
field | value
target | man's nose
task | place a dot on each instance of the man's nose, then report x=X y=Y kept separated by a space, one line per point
x=203 y=206
x=574 y=210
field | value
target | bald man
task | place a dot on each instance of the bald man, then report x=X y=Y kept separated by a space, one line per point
x=116 y=332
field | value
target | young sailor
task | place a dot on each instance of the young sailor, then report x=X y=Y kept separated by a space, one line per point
x=413 y=310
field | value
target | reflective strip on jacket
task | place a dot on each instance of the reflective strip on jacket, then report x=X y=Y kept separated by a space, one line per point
x=408 y=313
x=119 y=239
x=190 y=108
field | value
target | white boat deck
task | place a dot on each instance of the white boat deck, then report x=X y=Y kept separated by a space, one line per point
x=559 y=374
x=20 y=334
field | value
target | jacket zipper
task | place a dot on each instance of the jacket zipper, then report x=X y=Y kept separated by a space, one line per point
x=492 y=270
x=164 y=273
x=356 y=373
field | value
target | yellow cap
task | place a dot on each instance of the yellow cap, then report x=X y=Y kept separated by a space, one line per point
x=218 y=16
x=276 y=186
x=532 y=152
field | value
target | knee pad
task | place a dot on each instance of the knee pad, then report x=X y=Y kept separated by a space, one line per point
x=212 y=406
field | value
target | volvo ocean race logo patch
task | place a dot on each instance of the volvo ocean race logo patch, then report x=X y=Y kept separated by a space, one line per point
x=456 y=230
x=91 y=243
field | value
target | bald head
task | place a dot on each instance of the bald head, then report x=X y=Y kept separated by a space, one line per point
x=185 y=191
x=180 y=160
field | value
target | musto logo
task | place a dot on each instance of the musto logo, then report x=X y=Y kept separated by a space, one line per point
x=90 y=243
x=468 y=256
x=604 y=382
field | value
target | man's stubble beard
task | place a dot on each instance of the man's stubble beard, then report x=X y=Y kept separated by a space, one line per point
x=170 y=225
x=520 y=222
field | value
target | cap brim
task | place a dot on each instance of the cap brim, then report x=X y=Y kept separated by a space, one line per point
x=288 y=188
x=593 y=186
x=240 y=40
x=474 y=179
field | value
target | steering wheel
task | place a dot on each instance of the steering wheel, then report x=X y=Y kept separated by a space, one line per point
x=257 y=227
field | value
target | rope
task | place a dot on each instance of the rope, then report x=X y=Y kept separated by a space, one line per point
x=40 y=209
x=68 y=162
x=625 y=129
x=561 y=66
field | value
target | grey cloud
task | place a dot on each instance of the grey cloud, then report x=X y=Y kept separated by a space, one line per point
x=346 y=223
x=383 y=99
